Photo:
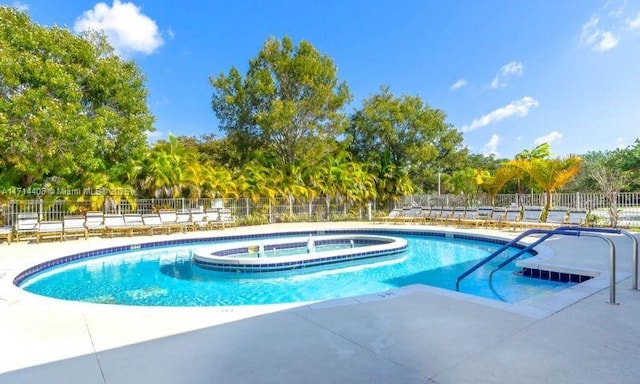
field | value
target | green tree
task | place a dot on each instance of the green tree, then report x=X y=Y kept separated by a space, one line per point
x=550 y=174
x=68 y=104
x=289 y=103
x=411 y=134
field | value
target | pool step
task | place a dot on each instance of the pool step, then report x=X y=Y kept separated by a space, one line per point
x=562 y=277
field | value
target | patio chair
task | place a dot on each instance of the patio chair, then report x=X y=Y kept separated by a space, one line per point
x=136 y=223
x=199 y=219
x=456 y=216
x=511 y=219
x=213 y=217
x=496 y=217
x=154 y=223
x=556 y=217
x=531 y=217
x=74 y=226
x=184 y=218
x=226 y=218
x=26 y=226
x=169 y=219
x=471 y=217
x=445 y=215
x=94 y=221
x=434 y=214
x=577 y=217
x=49 y=230
x=413 y=215
x=6 y=233
x=114 y=223
x=393 y=215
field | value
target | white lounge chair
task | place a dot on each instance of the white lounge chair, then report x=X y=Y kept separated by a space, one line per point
x=26 y=226
x=135 y=222
x=226 y=218
x=154 y=224
x=184 y=218
x=6 y=233
x=169 y=219
x=49 y=230
x=199 y=219
x=74 y=226
x=114 y=223
x=94 y=222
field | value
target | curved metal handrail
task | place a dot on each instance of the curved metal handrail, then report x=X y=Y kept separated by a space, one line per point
x=506 y=246
x=557 y=231
x=565 y=231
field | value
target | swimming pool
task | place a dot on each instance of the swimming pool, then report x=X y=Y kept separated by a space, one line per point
x=152 y=275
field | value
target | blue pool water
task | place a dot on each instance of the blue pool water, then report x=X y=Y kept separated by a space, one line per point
x=167 y=277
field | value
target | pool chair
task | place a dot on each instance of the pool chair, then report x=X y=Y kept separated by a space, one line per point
x=6 y=233
x=184 y=218
x=445 y=215
x=199 y=219
x=392 y=216
x=496 y=217
x=413 y=215
x=94 y=221
x=470 y=218
x=136 y=223
x=169 y=219
x=577 y=218
x=531 y=218
x=226 y=218
x=26 y=226
x=456 y=216
x=154 y=224
x=511 y=219
x=556 y=217
x=49 y=230
x=213 y=217
x=115 y=224
x=434 y=214
x=74 y=226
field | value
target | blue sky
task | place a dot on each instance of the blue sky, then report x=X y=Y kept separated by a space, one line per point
x=509 y=74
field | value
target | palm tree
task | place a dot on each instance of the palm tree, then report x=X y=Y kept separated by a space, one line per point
x=541 y=151
x=494 y=183
x=550 y=175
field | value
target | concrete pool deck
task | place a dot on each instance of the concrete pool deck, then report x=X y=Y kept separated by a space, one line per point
x=415 y=334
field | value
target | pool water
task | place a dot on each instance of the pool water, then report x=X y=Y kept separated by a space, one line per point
x=167 y=277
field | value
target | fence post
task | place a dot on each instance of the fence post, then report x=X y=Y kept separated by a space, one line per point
x=40 y=209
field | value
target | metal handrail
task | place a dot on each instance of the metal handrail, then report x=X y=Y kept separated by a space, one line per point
x=612 y=261
x=502 y=249
x=565 y=231
x=634 y=247
x=573 y=229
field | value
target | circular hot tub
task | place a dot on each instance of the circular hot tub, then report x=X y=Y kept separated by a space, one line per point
x=299 y=252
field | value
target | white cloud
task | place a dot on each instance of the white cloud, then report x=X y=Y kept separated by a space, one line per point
x=171 y=33
x=548 y=138
x=634 y=23
x=127 y=28
x=154 y=136
x=20 y=6
x=491 y=147
x=597 y=39
x=508 y=70
x=458 y=84
x=515 y=108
